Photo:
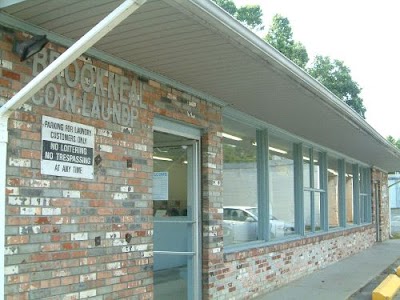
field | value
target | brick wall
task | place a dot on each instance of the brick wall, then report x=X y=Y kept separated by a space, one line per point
x=66 y=237
x=253 y=272
x=70 y=238
x=246 y=274
x=74 y=239
x=212 y=211
x=380 y=185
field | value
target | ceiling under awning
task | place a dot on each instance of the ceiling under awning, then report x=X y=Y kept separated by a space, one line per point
x=196 y=46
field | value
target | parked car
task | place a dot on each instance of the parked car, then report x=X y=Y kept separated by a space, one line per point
x=240 y=225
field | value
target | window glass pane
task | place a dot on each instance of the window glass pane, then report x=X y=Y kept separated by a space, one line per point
x=349 y=194
x=281 y=184
x=239 y=183
x=171 y=169
x=306 y=167
x=362 y=180
x=317 y=170
x=307 y=211
x=364 y=196
x=312 y=211
x=333 y=193
x=363 y=208
x=311 y=180
x=317 y=205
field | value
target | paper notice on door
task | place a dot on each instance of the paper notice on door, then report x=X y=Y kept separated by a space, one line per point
x=160 y=186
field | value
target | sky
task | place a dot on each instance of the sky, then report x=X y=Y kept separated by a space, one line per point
x=362 y=34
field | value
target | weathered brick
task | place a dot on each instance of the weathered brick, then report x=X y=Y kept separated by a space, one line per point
x=83 y=236
x=52 y=221
x=11 y=270
x=19 y=162
x=11 y=75
x=5 y=63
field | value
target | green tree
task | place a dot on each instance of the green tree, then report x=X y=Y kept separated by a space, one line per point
x=251 y=15
x=395 y=142
x=280 y=36
x=333 y=74
x=336 y=77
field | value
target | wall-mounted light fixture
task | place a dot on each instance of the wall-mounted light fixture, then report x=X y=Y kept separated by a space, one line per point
x=25 y=49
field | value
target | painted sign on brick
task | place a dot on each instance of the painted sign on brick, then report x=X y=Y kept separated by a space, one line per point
x=67 y=148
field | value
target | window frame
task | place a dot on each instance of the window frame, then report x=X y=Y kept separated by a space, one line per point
x=361 y=182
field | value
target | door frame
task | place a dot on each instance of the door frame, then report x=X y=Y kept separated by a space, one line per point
x=377 y=193
x=193 y=133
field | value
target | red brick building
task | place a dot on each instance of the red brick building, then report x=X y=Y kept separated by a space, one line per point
x=170 y=153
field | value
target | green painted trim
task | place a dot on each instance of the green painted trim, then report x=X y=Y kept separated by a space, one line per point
x=312 y=194
x=368 y=195
x=356 y=194
x=370 y=199
x=342 y=192
x=365 y=194
x=298 y=189
x=177 y=128
x=263 y=185
x=324 y=214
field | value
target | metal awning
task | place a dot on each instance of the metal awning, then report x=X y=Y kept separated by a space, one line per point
x=197 y=47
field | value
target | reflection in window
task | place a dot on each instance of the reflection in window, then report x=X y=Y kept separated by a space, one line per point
x=333 y=193
x=281 y=186
x=239 y=183
x=311 y=171
x=170 y=171
x=327 y=193
x=365 y=205
x=349 y=194
x=312 y=211
x=313 y=176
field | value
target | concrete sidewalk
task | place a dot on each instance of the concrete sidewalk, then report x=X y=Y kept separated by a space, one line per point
x=342 y=279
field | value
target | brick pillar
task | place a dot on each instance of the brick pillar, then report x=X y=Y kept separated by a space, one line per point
x=212 y=211
x=381 y=179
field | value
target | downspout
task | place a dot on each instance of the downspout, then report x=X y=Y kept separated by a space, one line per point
x=3 y=167
x=77 y=49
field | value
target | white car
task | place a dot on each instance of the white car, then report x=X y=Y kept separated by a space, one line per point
x=240 y=224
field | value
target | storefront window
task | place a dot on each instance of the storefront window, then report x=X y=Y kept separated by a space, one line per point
x=313 y=190
x=274 y=188
x=281 y=184
x=365 y=192
x=240 y=222
x=333 y=193
x=349 y=194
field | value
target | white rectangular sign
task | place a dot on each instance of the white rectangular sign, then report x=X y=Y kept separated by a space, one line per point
x=67 y=148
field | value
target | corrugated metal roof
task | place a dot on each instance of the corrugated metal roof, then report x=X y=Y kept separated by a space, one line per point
x=195 y=43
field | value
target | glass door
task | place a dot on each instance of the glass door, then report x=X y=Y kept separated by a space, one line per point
x=176 y=217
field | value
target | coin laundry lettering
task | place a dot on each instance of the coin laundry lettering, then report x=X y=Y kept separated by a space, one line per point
x=116 y=101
